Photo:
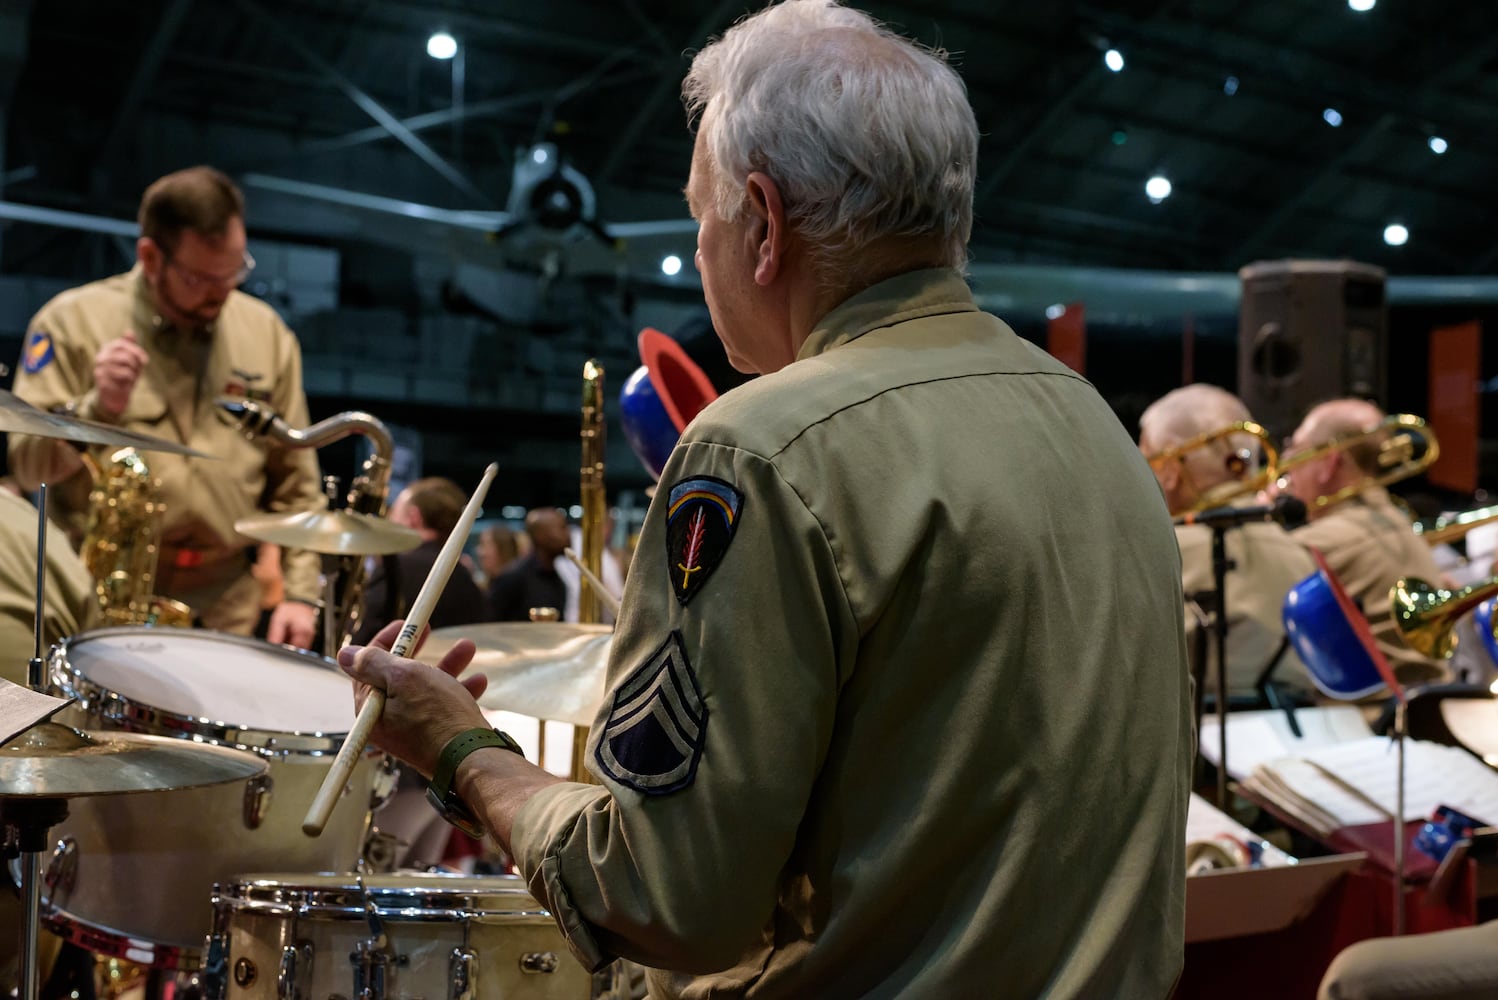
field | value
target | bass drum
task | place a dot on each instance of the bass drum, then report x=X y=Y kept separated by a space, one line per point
x=404 y=934
x=132 y=876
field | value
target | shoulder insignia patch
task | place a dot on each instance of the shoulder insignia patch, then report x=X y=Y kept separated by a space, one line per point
x=657 y=724
x=38 y=352
x=702 y=514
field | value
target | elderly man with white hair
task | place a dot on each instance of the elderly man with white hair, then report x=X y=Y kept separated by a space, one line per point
x=897 y=704
x=1266 y=561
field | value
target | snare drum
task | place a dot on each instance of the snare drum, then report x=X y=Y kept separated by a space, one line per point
x=444 y=936
x=133 y=875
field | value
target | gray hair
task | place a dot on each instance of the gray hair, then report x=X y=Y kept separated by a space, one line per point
x=867 y=134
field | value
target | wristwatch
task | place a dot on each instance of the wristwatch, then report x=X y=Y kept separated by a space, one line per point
x=440 y=792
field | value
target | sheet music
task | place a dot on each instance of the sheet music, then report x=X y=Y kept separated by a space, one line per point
x=1256 y=738
x=21 y=708
x=1435 y=775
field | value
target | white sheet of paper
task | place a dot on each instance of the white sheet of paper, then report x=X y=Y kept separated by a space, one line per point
x=1205 y=821
x=1256 y=738
x=1435 y=775
x=21 y=708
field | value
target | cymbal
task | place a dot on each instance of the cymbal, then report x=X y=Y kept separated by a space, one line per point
x=55 y=761
x=331 y=532
x=19 y=417
x=547 y=670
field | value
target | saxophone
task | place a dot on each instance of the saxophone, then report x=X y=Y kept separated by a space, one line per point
x=339 y=614
x=120 y=546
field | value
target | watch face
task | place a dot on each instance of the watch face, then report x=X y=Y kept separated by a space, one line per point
x=454 y=811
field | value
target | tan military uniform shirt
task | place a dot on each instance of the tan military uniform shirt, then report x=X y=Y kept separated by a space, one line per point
x=920 y=728
x=249 y=351
x=1369 y=544
x=1267 y=562
x=69 y=601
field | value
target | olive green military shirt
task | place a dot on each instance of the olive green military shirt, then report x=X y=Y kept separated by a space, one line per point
x=247 y=352
x=1370 y=544
x=898 y=697
x=1266 y=563
x=69 y=605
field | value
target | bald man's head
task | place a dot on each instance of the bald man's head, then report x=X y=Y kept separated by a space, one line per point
x=547 y=529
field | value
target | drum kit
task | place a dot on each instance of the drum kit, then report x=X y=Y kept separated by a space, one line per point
x=156 y=820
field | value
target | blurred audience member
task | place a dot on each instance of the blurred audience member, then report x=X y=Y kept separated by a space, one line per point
x=431 y=507
x=532 y=581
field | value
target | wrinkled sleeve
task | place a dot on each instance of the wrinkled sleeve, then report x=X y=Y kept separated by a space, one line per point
x=66 y=380
x=293 y=480
x=738 y=686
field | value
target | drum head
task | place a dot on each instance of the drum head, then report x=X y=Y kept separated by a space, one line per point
x=200 y=676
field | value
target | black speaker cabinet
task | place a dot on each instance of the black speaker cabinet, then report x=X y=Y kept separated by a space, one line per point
x=1309 y=331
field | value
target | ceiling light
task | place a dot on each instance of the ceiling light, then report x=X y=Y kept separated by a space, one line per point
x=1157 y=188
x=1230 y=86
x=442 y=46
x=1437 y=145
x=671 y=265
x=1396 y=235
x=1332 y=117
x=1055 y=311
x=1361 y=6
x=1114 y=60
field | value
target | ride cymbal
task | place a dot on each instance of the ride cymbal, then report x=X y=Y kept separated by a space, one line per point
x=55 y=761
x=331 y=532
x=19 y=417
x=547 y=670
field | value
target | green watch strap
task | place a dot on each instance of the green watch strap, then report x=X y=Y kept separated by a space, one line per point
x=458 y=748
x=449 y=805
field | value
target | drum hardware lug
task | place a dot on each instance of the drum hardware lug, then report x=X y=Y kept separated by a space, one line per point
x=296 y=963
x=370 y=958
x=460 y=974
x=257 y=800
x=62 y=871
x=538 y=963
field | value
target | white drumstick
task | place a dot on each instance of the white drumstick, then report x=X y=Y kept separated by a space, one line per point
x=421 y=610
x=611 y=602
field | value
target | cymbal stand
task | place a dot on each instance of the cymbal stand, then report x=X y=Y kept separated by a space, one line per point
x=31 y=818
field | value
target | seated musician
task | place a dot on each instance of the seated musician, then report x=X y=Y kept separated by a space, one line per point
x=1367 y=541
x=903 y=631
x=1266 y=561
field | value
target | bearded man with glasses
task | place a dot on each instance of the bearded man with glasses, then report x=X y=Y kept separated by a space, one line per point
x=152 y=350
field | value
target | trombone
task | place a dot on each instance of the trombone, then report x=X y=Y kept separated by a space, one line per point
x=1454 y=526
x=1425 y=615
x=1238 y=462
x=1401 y=446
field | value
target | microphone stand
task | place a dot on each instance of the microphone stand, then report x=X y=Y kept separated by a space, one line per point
x=1220 y=566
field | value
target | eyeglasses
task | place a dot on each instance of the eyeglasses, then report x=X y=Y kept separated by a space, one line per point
x=197 y=279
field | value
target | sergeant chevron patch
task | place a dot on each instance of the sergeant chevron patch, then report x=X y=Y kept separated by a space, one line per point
x=702 y=514
x=657 y=725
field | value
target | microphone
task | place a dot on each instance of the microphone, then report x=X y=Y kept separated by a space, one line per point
x=1286 y=510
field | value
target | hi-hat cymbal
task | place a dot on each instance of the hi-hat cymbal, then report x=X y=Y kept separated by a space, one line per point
x=55 y=761
x=547 y=670
x=331 y=532
x=19 y=417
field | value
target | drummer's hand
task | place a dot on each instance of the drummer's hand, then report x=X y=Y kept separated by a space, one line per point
x=293 y=623
x=424 y=708
x=117 y=367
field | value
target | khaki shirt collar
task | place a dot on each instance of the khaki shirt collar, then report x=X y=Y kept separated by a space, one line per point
x=927 y=292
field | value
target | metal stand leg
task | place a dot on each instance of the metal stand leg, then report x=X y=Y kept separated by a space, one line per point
x=32 y=818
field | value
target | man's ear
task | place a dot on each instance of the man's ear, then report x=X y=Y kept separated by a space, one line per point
x=149 y=255
x=768 y=233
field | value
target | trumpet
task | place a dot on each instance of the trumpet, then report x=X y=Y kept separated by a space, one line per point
x=1398 y=447
x=1238 y=461
x=1425 y=616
